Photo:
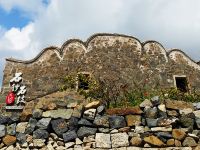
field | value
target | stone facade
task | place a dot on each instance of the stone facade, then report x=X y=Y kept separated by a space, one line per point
x=121 y=57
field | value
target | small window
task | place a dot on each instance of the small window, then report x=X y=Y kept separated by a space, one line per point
x=181 y=84
x=83 y=81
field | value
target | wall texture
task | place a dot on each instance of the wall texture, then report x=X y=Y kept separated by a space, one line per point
x=115 y=56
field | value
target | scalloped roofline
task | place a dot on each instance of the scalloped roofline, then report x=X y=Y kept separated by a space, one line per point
x=86 y=43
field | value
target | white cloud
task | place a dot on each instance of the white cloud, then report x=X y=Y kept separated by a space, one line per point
x=172 y=23
x=17 y=39
x=31 y=7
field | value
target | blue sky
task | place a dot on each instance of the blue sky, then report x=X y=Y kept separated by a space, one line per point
x=28 y=26
x=14 y=18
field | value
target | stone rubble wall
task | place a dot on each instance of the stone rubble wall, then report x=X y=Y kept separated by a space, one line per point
x=124 y=57
x=68 y=124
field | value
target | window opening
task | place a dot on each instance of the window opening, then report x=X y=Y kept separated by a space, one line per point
x=181 y=84
x=83 y=81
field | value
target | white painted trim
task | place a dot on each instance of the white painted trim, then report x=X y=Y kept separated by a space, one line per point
x=181 y=76
x=175 y=76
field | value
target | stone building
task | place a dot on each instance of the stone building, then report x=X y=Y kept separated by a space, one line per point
x=120 y=57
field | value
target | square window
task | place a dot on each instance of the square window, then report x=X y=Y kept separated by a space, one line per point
x=181 y=83
x=83 y=81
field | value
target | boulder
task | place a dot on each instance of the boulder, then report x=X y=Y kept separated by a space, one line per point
x=197 y=121
x=117 y=122
x=69 y=145
x=14 y=117
x=162 y=129
x=172 y=113
x=178 y=134
x=197 y=113
x=162 y=108
x=119 y=140
x=162 y=122
x=78 y=111
x=101 y=109
x=153 y=140
x=162 y=114
x=21 y=138
x=124 y=129
x=93 y=104
x=37 y=113
x=59 y=113
x=185 y=111
x=146 y=103
x=43 y=123
x=102 y=140
x=78 y=141
x=136 y=141
x=101 y=121
x=189 y=141
x=89 y=139
x=89 y=114
x=31 y=126
x=53 y=137
x=194 y=136
x=27 y=111
x=114 y=131
x=21 y=127
x=104 y=130
x=197 y=105
x=9 y=140
x=84 y=122
x=86 y=131
x=124 y=111
x=151 y=122
x=73 y=123
x=170 y=142
x=133 y=120
x=139 y=129
x=61 y=103
x=70 y=135
x=59 y=126
x=165 y=135
x=4 y=119
x=2 y=131
x=151 y=113
x=186 y=121
x=51 y=106
x=38 y=143
x=177 y=105
x=11 y=129
x=72 y=104
x=155 y=100
x=40 y=134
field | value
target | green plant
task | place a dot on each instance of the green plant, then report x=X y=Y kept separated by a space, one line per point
x=119 y=95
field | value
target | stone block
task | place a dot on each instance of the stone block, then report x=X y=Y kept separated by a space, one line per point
x=119 y=140
x=102 y=140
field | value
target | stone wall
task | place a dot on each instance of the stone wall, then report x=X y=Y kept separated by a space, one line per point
x=121 y=57
x=68 y=124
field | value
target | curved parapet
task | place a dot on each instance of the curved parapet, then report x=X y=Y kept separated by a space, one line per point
x=180 y=57
x=154 y=48
x=87 y=46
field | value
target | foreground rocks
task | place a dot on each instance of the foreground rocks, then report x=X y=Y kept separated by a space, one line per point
x=154 y=124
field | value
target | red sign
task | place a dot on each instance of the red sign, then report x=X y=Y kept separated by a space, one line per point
x=10 y=99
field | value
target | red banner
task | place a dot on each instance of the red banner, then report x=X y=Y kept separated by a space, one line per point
x=10 y=99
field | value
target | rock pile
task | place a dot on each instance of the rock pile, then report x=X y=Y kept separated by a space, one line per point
x=60 y=126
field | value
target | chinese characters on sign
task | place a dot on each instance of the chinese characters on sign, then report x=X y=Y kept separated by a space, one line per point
x=18 y=91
